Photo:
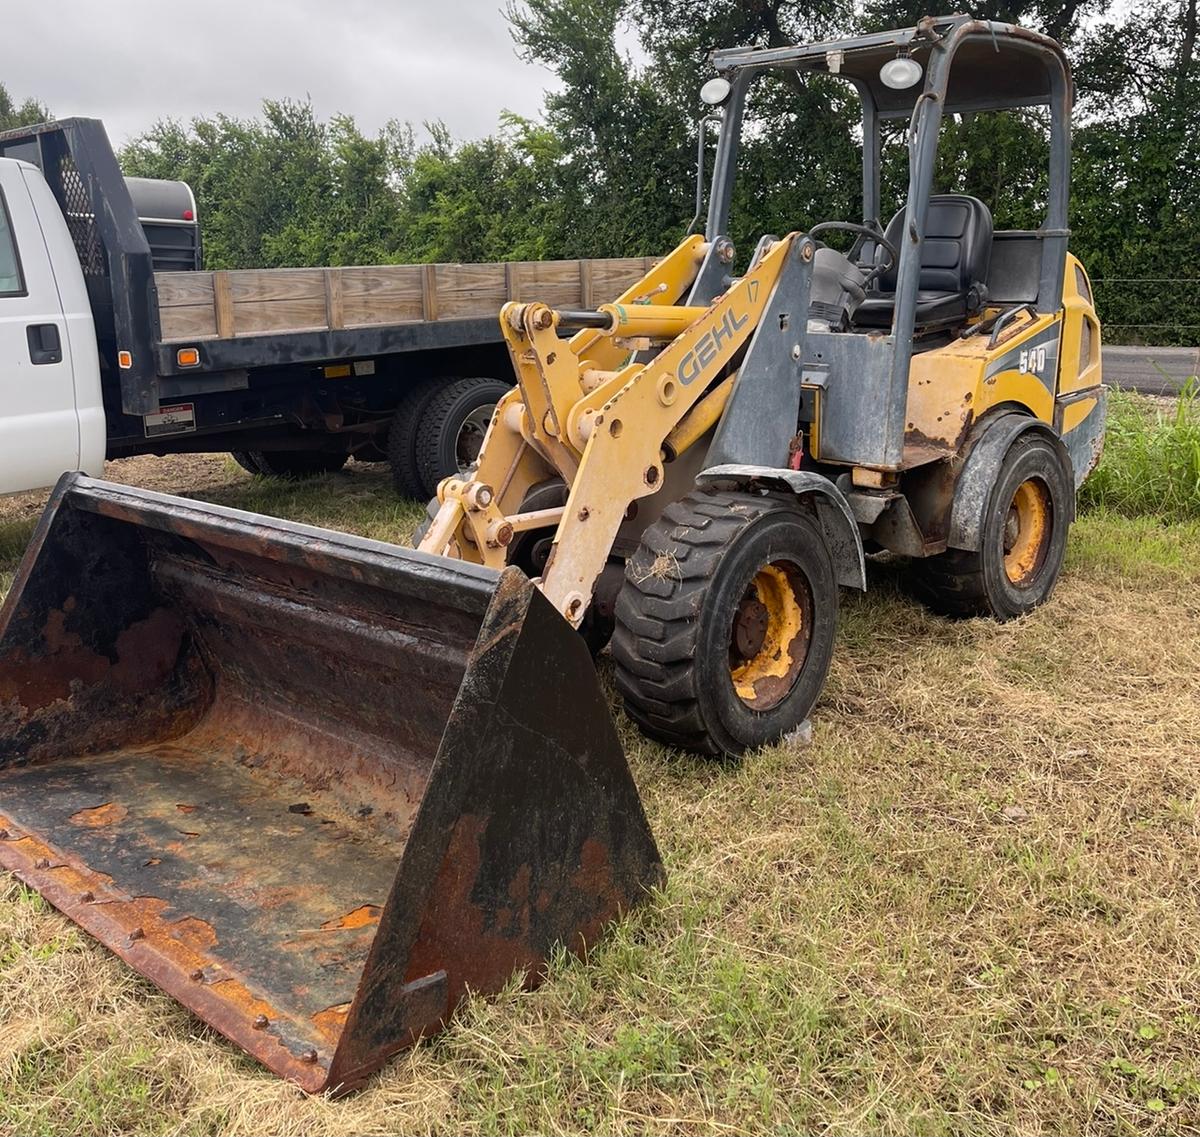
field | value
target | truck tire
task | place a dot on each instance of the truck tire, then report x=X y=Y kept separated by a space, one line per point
x=296 y=463
x=246 y=460
x=453 y=424
x=402 y=439
x=1022 y=541
x=725 y=623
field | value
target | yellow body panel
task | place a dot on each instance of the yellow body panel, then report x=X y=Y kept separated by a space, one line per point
x=1080 y=367
x=1074 y=413
x=950 y=387
x=1039 y=364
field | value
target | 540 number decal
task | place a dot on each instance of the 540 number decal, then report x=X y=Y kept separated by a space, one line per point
x=1032 y=360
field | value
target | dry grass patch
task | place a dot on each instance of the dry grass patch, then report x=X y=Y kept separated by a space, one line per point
x=969 y=905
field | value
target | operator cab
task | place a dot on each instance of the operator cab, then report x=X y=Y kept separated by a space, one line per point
x=955 y=261
x=939 y=265
x=955 y=258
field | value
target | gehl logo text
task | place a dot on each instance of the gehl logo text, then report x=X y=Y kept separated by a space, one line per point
x=696 y=360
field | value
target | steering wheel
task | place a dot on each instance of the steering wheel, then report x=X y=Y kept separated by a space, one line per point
x=866 y=231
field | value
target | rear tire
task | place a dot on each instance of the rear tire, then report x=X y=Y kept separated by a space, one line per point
x=296 y=463
x=1023 y=541
x=725 y=623
x=402 y=439
x=453 y=423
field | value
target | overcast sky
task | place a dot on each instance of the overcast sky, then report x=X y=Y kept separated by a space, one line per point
x=131 y=62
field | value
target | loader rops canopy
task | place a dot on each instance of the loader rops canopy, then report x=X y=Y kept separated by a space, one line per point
x=992 y=65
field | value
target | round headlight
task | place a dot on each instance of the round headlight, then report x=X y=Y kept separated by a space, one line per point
x=715 y=91
x=900 y=73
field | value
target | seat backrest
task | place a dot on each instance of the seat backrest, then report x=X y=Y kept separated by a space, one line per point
x=957 y=247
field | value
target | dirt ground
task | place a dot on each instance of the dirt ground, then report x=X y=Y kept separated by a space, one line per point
x=193 y=474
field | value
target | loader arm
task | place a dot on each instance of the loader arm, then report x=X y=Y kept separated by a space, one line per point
x=601 y=427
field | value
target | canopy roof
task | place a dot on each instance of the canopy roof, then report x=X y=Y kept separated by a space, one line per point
x=995 y=65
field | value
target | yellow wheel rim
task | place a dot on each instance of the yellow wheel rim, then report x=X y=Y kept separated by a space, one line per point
x=1027 y=531
x=768 y=639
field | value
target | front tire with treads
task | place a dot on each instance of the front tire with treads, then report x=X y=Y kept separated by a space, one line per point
x=725 y=622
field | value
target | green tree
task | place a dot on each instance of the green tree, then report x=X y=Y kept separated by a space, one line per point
x=286 y=189
x=28 y=113
x=491 y=200
x=1136 y=211
x=626 y=153
x=609 y=168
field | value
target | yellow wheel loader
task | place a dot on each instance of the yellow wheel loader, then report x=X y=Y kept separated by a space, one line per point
x=701 y=463
x=318 y=787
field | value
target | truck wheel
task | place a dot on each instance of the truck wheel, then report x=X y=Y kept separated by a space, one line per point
x=1023 y=541
x=402 y=439
x=453 y=424
x=246 y=460
x=725 y=622
x=296 y=463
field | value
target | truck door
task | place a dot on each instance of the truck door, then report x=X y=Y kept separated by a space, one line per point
x=39 y=426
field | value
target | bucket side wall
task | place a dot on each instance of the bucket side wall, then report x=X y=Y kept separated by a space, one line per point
x=91 y=658
x=531 y=834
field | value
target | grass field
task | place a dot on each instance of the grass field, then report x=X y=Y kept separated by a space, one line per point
x=971 y=904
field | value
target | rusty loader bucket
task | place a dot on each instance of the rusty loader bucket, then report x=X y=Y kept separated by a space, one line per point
x=315 y=787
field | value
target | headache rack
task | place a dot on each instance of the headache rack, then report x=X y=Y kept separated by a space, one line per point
x=78 y=163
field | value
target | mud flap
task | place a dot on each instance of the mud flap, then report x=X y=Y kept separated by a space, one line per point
x=313 y=786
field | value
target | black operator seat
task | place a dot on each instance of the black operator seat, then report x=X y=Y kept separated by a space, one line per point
x=955 y=256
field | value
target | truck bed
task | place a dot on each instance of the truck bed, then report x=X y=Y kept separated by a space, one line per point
x=202 y=306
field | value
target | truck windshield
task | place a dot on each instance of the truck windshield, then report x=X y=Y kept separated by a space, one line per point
x=10 y=268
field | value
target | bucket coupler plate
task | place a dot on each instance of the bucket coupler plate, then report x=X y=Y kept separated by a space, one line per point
x=313 y=786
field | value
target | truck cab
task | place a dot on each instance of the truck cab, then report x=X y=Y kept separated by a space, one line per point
x=52 y=415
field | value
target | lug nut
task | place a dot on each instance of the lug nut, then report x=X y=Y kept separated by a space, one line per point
x=261 y=1022
x=197 y=976
x=41 y=863
x=309 y=1057
x=137 y=934
x=86 y=897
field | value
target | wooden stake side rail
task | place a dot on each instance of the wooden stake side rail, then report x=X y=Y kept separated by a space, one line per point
x=255 y=302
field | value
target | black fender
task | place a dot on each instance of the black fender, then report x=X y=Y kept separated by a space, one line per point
x=829 y=504
x=985 y=455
